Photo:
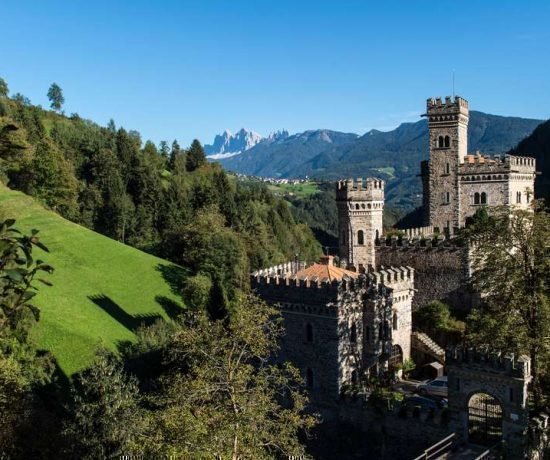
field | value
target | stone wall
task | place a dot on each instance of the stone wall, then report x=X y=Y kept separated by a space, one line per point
x=440 y=270
x=500 y=375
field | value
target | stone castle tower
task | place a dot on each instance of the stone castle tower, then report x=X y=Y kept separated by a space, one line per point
x=448 y=146
x=456 y=183
x=360 y=207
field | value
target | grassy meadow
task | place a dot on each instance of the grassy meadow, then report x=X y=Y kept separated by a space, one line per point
x=102 y=290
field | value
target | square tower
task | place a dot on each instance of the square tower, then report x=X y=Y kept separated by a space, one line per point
x=448 y=143
x=360 y=208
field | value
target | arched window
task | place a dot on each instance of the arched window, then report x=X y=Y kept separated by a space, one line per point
x=447 y=141
x=395 y=322
x=476 y=198
x=440 y=142
x=483 y=198
x=360 y=237
x=357 y=206
x=354 y=377
x=309 y=378
x=353 y=334
x=309 y=332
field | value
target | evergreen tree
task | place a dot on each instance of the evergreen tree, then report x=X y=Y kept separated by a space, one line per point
x=174 y=153
x=55 y=95
x=195 y=156
x=105 y=421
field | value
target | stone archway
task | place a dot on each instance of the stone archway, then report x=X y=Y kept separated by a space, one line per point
x=484 y=419
x=396 y=357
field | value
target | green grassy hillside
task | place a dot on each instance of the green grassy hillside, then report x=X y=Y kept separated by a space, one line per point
x=102 y=290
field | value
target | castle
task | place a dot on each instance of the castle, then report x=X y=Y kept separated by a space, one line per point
x=344 y=322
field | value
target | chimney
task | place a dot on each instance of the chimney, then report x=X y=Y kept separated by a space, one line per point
x=327 y=260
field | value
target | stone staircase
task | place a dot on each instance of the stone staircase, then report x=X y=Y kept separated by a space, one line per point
x=424 y=343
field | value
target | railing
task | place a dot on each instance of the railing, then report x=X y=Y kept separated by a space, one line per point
x=490 y=452
x=438 y=449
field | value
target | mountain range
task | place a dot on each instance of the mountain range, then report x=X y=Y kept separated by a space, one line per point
x=392 y=155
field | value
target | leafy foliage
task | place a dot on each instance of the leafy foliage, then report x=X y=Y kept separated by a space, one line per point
x=55 y=95
x=105 y=421
x=21 y=367
x=229 y=401
x=511 y=268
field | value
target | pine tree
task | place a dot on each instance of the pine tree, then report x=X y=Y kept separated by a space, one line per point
x=195 y=156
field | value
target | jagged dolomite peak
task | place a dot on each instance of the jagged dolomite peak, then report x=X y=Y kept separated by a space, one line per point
x=227 y=144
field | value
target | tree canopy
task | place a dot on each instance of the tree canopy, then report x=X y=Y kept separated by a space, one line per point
x=511 y=269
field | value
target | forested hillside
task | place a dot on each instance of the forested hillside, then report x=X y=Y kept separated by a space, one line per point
x=165 y=200
x=537 y=145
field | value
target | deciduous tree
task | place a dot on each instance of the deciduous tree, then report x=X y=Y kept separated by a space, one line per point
x=231 y=402
x=511 y=269
x=55 y=95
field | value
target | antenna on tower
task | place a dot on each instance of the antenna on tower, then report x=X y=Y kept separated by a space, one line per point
x=453 y=84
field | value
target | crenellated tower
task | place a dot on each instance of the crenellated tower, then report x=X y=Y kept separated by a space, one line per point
x=448 y=146
x=360 y=208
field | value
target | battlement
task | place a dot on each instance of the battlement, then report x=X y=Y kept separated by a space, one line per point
x=388 y=277
x=284 y=269
x=496 y=168
x=518 y=161
x=438 y=104
x=485 y=359
x=369 y=183
x=417 y=241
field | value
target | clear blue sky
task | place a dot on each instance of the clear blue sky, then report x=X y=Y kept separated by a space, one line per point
x=186 y=69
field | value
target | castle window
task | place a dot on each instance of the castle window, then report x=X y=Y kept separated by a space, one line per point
x=360 y=237
x=386 y=330
x=440 y=142
x=395 y=322
x=447 y=141
x=476 y=198
x=447 y=197
x=353 y=334
x=309 y=332
x=354 y=377
x=309 y=378
x=447 y=168
x=518 y=197
x=357 y=206
x=483 y=198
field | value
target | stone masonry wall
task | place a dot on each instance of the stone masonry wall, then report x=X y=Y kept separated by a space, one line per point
x=440 y=272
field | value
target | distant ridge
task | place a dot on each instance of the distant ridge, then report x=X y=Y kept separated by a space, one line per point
x=393 y=155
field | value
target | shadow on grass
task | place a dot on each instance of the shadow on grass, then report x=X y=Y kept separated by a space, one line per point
x=172 y=308
x=174 y=275
x=130 y=322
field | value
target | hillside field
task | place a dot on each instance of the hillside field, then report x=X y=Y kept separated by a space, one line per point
x=102 y=290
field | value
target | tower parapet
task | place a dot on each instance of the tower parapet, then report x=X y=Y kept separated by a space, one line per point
x=360 y=208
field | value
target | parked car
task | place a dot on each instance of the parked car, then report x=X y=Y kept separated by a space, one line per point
x=422 y=403
x=435 y=387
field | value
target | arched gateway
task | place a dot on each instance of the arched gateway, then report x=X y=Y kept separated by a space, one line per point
x=484 y=419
